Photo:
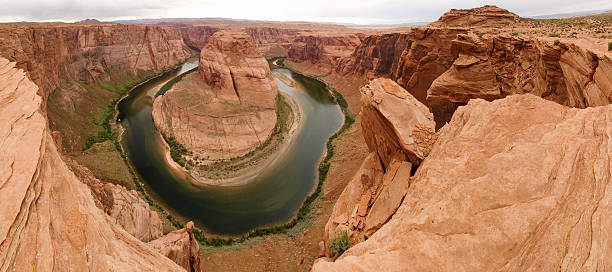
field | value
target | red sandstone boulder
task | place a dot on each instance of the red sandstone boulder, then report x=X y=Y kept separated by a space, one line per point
x=394 y=123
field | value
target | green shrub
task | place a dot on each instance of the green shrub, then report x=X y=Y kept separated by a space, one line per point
x=557 y=42
x=514 y=33
x=339 y=244
x=610 y=46
x=554 y=35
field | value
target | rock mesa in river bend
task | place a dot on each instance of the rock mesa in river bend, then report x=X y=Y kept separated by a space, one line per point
x=226 y=109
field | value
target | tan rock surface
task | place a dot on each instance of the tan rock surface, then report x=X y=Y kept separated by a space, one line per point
x=394 y=123
x=48 y=218
x=518 y=184
x=482 y=16
x=229 y=107
x=181 y=247
x=125 y=206
x=367 y=179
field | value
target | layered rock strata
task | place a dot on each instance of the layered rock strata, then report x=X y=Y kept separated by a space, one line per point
x=49 y=220
x=228 y=108
x=485 y=16
x=50 y=51
x=517 y=184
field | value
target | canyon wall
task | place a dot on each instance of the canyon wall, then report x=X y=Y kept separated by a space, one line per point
x=517 y=184
x=226 y=109
x=49 y=218
x=50 y=51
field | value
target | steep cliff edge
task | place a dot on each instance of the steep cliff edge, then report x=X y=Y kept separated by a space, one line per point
x=228 y=108
x=50 y=51
x=49 y=218
x=516 y=184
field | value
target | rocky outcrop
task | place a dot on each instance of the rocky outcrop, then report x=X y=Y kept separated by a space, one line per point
x=351 y=208
x=48 y=218
x=48 y=52
x=485 y=16
x=517 y=184
x=228 y=108
x=397 y=128
x=125 y=206
x=394 y=123
x=181 y=247
x=569 y=72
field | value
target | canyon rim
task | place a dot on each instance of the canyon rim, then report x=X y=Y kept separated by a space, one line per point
x=477 y=142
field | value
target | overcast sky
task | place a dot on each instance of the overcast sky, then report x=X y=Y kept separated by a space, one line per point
x=344 y=11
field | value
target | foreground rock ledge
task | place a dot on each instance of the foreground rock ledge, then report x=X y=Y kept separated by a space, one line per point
x=518 y=184
x=48 y=218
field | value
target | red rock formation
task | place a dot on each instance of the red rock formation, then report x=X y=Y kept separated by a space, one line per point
x=483 y=16
x=394 y=123
x=376 y=56
x=396 y=128
x=325 y=50
x=517 y=184
x=234 y=109
x=48 y=218
x=569 y=72
x=83 y=52
x=181 y=247
x=125 y=206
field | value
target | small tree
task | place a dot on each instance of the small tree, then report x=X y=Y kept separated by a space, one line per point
x=339 y=244
x=610 y=46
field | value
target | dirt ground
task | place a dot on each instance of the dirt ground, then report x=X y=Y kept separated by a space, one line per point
x=298 y=249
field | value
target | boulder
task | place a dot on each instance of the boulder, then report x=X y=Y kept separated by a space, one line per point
x=394 y=123
x=181 y=247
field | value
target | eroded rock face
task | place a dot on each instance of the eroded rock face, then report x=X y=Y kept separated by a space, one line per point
x=482 y=16
x=350 y=210
x=48 y=52
x=125 y=206
x=228 y=108
x=394 y=123
x=568 y=72
x=181 y=247
x=48 y=218
x=517 y=184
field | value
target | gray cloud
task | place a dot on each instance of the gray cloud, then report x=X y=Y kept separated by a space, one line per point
x=351 y=11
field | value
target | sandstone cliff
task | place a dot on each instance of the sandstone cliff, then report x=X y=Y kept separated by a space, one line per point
x=48 y=51
x=228 y=108
x=517 y=184
x=570 y=72
x=49 y=220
